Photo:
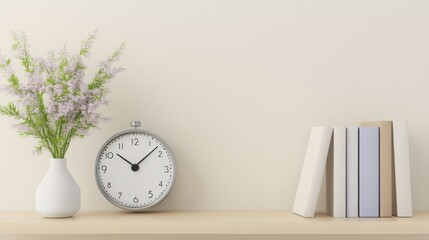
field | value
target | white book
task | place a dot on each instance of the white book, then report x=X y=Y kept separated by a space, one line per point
x=352 y=172
x=312 y=171
x=369 y=201
x=402 y=181
x=336 y=174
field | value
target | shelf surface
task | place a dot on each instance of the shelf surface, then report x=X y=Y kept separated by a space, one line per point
x=207 y=223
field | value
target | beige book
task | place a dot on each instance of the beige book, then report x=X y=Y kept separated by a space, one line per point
x=386 y=165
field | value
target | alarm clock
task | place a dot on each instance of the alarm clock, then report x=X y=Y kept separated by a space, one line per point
x=135 y=169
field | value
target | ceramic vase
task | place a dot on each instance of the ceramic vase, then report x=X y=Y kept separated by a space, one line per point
x=58 y=195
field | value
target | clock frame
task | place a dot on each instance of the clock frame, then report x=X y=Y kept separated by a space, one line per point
x=134 y=168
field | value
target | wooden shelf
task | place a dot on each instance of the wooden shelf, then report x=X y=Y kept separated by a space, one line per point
x=206 y=223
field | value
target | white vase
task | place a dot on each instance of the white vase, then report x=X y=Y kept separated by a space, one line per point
x=58 y=195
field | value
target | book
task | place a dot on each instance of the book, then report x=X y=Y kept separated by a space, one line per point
x=402 y=181
x=369 y=172
x=386 y=163
x=312 y=171
x=336 y=174
x=352 y=172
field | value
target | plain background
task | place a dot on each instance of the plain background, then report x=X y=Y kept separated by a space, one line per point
x=234 y=87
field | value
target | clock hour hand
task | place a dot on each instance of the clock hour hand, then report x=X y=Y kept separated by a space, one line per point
x=147 y=155
x=124 y=159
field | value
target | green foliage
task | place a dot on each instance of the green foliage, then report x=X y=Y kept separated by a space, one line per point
x=42 y=111
x=10 y=110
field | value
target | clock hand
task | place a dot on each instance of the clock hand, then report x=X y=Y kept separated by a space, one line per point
x=147 y=155
x=124 y=159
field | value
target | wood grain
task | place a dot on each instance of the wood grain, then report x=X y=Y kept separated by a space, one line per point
x=207 y=223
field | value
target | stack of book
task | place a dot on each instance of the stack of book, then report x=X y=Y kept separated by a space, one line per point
x=367 y=171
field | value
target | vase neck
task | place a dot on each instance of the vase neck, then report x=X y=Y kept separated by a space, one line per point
x=60 y=163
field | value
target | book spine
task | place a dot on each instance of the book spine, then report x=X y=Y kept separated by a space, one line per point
x=402 y=181
x=369 y=172
x=312 y=171
x=336 y=174
x=386 y=165
x=352 y=171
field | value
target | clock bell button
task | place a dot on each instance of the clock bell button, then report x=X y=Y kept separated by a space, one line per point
x=135 y=124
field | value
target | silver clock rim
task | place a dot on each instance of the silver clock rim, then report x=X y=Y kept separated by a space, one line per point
x=167 y=192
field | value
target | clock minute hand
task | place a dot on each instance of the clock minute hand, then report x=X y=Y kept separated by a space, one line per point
x=147 y=155
x=124 y=159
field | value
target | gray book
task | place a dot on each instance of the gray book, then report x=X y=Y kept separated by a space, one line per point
x=369 y=187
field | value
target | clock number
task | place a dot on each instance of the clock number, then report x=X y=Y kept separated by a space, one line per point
x=109 y=185
x=104 y=168
x=160 y=154
x=134 y=141
x=109 y=155
x=160 y=184
x=167 y=170
x=121 y=146
x=120 y=194
x=150 y=142
x=135 y=200
x=150 y=194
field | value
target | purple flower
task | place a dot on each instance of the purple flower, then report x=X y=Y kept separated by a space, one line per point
x=54 y=93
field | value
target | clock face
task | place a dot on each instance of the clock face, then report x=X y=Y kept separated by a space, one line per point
x=135 y=170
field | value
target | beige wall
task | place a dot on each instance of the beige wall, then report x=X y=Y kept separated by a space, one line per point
x=234 y=88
